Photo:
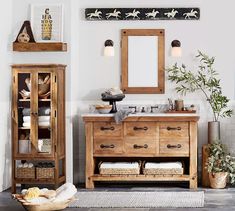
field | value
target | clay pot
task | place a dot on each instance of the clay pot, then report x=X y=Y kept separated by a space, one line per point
x=218 y=180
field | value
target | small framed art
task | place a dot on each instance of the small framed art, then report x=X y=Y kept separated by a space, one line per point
x=47 y=22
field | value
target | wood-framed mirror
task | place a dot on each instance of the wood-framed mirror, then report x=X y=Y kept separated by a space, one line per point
x=143 y=61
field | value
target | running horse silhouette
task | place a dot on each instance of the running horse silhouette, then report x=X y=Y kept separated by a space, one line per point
x=96 y=14
x=171 y=14
x=116 y=14
x=192 y=13
x=152 y=14
x=133 y=14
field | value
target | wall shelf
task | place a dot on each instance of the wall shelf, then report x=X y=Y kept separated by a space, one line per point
x=37 y=47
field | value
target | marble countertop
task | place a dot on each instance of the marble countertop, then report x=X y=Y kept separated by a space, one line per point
x=143 y=115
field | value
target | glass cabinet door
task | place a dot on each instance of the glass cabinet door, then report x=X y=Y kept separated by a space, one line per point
x=44 y=114
x=23 y=118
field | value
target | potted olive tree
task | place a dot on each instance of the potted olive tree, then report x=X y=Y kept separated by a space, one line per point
x=220 y=165
x=205 y=80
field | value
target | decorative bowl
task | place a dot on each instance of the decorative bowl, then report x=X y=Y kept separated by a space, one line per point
x=103 y=109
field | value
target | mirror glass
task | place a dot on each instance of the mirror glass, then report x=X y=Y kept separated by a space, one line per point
x=143 y=61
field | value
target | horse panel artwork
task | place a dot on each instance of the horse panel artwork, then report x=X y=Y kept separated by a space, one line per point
x=142 y=14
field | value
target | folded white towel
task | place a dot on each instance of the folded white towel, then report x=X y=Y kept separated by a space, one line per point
x=40 y=118
x=112 y=165
x=165 y=165
x=42 y=124
x=65 y=192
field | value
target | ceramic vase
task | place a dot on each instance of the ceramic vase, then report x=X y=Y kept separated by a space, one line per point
x=213 y=131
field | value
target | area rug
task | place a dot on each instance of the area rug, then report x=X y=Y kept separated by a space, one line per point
x=100 y=199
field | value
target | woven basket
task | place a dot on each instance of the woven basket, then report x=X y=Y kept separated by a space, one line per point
x=45 y=173
x=218 y=180
x=118 y=171
x=163 y=171
x=25 y=172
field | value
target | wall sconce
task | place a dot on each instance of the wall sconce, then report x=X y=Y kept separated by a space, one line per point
x=176 y=50
x=108 y=48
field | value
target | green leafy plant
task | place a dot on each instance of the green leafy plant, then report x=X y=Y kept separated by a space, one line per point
x=204 y=80
x=219 y=160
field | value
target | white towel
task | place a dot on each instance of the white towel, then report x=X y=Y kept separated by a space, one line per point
x=132 y=165
x=165 y=165
x=42 y=124
x=40 y=118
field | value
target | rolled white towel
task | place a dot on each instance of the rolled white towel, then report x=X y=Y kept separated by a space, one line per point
x=119 y=165
x=27 y=119
x=25 y=165
x=65 y=192
x=20 y=165
x=30 y=165
x=26 y=124
x=165 y=165
x=44 y=124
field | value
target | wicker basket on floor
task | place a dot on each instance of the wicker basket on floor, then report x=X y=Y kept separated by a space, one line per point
x=163 y=171
x=119 y=171
x=25 y=172
x=45 y=173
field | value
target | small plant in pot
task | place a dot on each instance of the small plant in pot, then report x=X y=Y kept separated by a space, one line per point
x=205 y=80
x=220 y=165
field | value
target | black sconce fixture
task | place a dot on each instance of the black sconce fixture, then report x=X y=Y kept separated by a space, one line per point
x=176 y=50
x=108 y=48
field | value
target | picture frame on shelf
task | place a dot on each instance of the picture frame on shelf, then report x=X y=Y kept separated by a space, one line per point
x=47 y=22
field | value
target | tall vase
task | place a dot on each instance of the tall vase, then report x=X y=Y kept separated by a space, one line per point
x=213 y=131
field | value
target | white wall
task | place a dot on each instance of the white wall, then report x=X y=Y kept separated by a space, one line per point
x=5 y=81
x=89 y=72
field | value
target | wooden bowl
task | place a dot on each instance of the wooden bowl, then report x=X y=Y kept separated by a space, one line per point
x=103 y=109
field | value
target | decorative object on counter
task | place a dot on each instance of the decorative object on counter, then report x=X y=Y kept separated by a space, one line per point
x=163 y=168
x=47 y=22
x=176 y=50
x=206 y=81
x=220 y=165
x=142 y=14
x=25 y=34
x=35 y=199
x=103 y=109
x=108 y=48
x=112 y=96
x=179 y=105
x=118 y=168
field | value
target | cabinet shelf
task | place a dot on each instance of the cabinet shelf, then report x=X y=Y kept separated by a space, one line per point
x=40 y=100
x=36 y=47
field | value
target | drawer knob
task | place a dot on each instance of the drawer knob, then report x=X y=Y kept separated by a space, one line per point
x=140 y=128
x=135 y=146
x=107 y=128
x=111 y=146
x=169 y=146
x=173 y=128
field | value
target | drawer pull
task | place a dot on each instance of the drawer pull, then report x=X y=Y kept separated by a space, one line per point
x=173 y=128
x=107 y=128
x=140 y=128
x=135 y=146
x=111 y=146
x=173 y=146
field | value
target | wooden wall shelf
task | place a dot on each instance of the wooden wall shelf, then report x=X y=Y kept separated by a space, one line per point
x=36 y=47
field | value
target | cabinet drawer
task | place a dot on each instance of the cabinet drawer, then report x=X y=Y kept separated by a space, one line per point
x=174 y=129
x=140 y=147
x=111 y=147
x=140 y=129
x=177 y=146
x=107 y=130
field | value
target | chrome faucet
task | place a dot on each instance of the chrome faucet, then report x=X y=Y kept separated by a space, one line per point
x=152 y=107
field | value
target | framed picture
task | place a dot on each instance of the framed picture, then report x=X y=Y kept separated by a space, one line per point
x=47 y=22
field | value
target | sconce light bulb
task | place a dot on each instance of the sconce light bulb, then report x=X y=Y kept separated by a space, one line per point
x=109 y=49
x=176 y=50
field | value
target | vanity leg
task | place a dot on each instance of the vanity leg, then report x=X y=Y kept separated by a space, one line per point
x=193 y=156
x=90 y=162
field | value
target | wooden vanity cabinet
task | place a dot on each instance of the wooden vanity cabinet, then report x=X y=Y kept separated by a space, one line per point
x=141 y=138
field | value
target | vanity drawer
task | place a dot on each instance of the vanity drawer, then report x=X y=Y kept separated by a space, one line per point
x=170 y=146
x=107 y=130
x=140 y=129
x=139 y=147
x=111 y=147
x=174 y=129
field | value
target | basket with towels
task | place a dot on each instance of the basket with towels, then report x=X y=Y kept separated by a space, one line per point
x=43 y=117
x=119 y=168
x=163 y=168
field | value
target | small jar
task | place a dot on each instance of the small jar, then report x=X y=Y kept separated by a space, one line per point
x=179 y=105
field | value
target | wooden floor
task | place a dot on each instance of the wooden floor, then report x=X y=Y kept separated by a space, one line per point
x=214 y=199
